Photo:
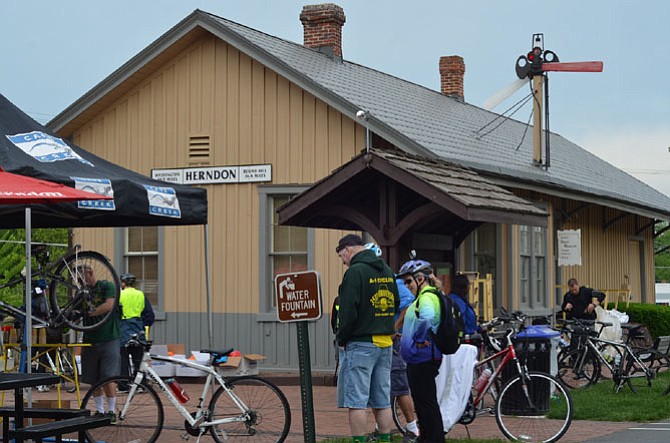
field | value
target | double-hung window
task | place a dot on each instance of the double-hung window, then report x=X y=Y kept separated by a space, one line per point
x=141 y=259
x=533 y=267
x=283 y=248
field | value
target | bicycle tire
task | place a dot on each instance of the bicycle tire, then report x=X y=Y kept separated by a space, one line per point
x=143 y=421
x=399 y=418
x=71 y=298
x=635 y=375
x=543 y=418
x=576 y=372
x=66 y=369
x=269 y=413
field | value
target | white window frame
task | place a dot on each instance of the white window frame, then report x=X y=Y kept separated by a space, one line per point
x=268 y=313
x=533 y=286
x=158 y=306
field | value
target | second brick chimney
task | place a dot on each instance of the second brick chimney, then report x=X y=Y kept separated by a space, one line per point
x=323 y=27
x=452 y=71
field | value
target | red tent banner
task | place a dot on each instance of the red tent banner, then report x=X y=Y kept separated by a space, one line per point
x=20 y=189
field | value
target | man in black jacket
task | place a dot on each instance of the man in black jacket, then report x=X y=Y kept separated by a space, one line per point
x=580 y=301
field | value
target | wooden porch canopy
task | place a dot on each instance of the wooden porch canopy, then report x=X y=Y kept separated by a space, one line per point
x=390 y=194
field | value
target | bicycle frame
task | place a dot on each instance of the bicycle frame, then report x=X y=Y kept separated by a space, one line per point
x=625 y=354
x=505 y=355
x=197 y=419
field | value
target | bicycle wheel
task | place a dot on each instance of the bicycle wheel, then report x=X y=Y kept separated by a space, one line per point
x=142 y=422
x=268 y=418
x=544 y=415
x=82 y=282
x=637 y=374
x=578 y=370
x=66 y=370
x=398 y=416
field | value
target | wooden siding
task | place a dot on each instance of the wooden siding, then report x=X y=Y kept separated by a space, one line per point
x=607 y=262
x=251 y=116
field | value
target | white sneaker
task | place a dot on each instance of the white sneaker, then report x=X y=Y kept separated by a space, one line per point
x=43 y=388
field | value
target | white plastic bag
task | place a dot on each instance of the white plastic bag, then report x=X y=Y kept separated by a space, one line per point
x=622 y=316
x=613 y=332
x=453 y=384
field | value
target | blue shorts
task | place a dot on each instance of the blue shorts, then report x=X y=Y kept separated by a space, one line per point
x=399 y=383
x=364 y=380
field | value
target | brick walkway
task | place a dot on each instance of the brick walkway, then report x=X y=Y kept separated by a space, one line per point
x=332 y=422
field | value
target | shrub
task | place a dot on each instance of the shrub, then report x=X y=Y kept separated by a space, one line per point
x=655 y=317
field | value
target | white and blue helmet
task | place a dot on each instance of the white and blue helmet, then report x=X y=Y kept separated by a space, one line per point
x=374 y=248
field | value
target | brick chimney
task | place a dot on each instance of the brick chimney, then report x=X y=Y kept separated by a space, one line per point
x=323 y=28
x=452 y=70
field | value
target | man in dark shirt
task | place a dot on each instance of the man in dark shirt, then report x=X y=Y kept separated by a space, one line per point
x=580 y=301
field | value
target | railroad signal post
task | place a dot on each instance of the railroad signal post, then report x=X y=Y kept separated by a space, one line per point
x=534 y=65
x=298 y=299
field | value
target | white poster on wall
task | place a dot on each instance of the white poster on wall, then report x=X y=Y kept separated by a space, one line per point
x=570 y=247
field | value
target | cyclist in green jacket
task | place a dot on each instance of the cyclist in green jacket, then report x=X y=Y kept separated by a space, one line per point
x=368 y=299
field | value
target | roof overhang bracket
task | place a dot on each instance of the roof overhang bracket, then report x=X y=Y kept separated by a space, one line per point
x=661 y=231
x=645 y=226
x=567 y=215
x=607 y=224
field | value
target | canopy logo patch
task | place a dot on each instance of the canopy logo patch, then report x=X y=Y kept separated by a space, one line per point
x=45 y=148
x=163 y=201
x=101 y=186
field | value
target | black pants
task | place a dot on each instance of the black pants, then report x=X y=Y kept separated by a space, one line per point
x=135 y=353
x=421 y=378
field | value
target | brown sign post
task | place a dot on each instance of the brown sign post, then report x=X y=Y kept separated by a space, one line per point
x=298 y=296
x=299 y=300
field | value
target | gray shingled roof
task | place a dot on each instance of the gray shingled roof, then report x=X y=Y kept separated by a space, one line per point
x=415 y=119
x=449 y=128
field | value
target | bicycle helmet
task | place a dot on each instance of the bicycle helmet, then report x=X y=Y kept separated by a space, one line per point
x=374 y=248
x=414 y=266
x=127 y=278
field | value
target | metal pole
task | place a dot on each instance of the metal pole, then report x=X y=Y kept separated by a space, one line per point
x=28 y=336
x=308 y=424
x=537 y=119
x=208 y=286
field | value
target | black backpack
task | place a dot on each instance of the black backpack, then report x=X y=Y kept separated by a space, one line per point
x=451 y=329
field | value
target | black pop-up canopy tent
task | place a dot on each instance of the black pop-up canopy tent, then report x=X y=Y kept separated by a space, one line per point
x=27 y=148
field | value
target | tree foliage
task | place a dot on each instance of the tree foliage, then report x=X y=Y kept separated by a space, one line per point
x=662 y=260
x=13 y=257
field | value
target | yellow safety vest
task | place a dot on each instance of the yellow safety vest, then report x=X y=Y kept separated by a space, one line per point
x=132 y=303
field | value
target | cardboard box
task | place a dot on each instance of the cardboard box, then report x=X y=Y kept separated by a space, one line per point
x=247 y=364
x=52 y=404
x=176 y=348
x=185 y=371
x=162 y=368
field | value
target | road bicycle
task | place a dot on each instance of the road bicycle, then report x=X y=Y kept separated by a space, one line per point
x=247 y=408
x=78 y=282
x=63 y=365
x=529 y=406
x=492 y=344
x=580 y=365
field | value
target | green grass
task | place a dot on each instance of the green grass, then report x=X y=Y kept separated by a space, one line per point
x=600 y=402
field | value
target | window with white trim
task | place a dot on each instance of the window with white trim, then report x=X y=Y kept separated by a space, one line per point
x=533 y=267
x=283 y=248
x=141 y=260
